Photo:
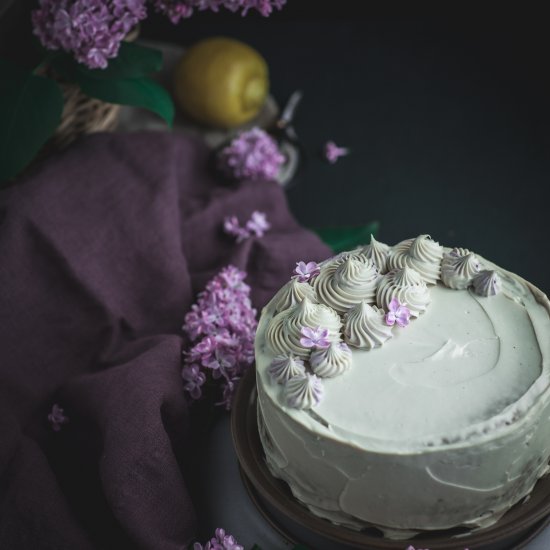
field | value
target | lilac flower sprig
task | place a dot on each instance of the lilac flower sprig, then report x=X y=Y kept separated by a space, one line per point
x=220 y=541
x=256 y=226
x=57 y=418
x=221 y=327
x=306 y=272
x=252 y=155
x=398 y=313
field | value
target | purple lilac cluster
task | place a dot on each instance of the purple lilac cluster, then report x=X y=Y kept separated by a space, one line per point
x=176 y=10
x=221 y=327
x=220 y=541
x=91 y=30
x=256 y=226
x=252 y=155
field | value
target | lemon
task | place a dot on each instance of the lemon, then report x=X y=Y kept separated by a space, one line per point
x=221 y=82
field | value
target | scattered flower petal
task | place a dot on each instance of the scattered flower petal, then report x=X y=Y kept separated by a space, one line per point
x=333 y=152
x=57 y=418
x=221 y=541
x=256 y=226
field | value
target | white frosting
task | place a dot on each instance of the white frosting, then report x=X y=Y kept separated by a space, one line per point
x=365 y=327
x=345 y=282
x=422 y=254
x=377 y=252
x=487 y=283
x=446 y=424
x=407 y=286
x=292 y=293
x=284 y=332
x=303 y=391
x=332 y=361
x=284 y=367
x=458 y=268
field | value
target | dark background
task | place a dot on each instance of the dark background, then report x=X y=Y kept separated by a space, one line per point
x=446 y=116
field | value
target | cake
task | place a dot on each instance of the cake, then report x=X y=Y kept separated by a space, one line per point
x=405 y=388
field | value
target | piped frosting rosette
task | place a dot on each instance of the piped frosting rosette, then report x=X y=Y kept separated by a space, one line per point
x=422 y=254
x=487 y=283
x=332 y=361
x=293 y=293
x=377 y=252
x=365 y=327
x=284 y=332
x=458 y=268
x=347 y=281
x=407 y=286
x=285 y=367
x=304 y=391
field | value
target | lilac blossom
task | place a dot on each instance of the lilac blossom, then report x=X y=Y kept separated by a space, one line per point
x=252 y=155
x=57 y=418
x=176 y=10
x=91 y=30
x=306 y=272
x=398 y=313
x=220 y=541
x=221 y=327
x=256 y=226
x=314 y=337
x=333 y=152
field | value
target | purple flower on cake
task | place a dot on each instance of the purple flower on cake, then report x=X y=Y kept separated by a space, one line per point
x=306 y=272
x=221 y=327
x=258 y=224
x=398 y=313
x=333 y=152
x=252 y=155
x=314 y=337
x=57 y=418
x=220 y=541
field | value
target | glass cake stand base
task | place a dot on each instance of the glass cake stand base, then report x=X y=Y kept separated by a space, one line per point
x=523 y=526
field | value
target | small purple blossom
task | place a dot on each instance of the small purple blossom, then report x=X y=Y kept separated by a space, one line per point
x=333 y=152
x=252 y=155
x=307 y=272
x=256 y=226
x=220 y=541
x=221 y=327
x=398 y=313
x=57 y=418
x=314 y=337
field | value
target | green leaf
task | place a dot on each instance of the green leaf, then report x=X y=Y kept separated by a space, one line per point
x=138 y=92
x=30 y=111
x=132 y=61
x=348 y=237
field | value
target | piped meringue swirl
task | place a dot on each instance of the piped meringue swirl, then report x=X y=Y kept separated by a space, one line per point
x=407 y=286
x=304 y=391
x=331 y=361
x=284 y=331
x=365 y=328
x=422 y=254
x=458 y=268
x=284 y=367
x=487 y=283
x=377 y=252
x=344 y=283
x=292 y=293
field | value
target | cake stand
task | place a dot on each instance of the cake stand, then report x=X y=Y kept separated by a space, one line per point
x=523 y=526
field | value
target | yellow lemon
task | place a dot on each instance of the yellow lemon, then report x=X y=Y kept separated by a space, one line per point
x=221 y=82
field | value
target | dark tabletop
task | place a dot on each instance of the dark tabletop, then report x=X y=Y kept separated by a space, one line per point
x=447 y=120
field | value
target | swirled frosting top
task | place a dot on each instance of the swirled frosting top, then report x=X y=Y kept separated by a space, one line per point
x=470 y=363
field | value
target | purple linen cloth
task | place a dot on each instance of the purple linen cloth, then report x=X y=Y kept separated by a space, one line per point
x=102 y=252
